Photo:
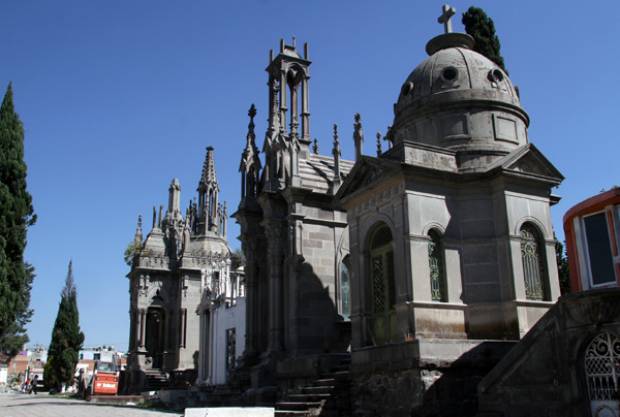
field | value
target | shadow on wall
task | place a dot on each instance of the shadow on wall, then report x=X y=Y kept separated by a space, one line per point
x=322 y=329
x=453 y=390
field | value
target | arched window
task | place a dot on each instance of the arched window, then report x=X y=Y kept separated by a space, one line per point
x=436 y=265
x=533 y=257
x=602 y=371
x=345 y=289
x=382 y=289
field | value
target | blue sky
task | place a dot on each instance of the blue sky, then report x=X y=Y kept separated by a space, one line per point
x=119 y=97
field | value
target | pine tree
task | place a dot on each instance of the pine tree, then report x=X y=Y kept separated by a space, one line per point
x=481 y=28
x=16 y=214
x=67 y=339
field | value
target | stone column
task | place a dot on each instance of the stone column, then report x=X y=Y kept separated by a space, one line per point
x=141 y=327
x=274 y=257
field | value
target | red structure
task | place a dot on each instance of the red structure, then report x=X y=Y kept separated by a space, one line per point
x=592 y=230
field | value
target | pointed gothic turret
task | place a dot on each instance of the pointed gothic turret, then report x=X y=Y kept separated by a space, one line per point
x=208 y=195
x=250 y=162
x=358 y=136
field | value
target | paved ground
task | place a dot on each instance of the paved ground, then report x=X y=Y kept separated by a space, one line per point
x=44 y=405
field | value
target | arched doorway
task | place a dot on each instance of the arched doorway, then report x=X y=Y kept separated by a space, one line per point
x=602 y=371
x=382 y=287
x=155 y=318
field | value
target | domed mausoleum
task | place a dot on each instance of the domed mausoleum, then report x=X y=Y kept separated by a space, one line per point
x=450 y=232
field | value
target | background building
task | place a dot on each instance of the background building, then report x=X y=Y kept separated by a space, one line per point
x=592 y=231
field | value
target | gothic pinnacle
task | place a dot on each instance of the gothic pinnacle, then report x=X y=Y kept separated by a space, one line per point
x=379 y=150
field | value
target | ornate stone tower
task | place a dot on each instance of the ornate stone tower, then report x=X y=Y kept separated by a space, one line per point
x=182 y=259
x=293 y=237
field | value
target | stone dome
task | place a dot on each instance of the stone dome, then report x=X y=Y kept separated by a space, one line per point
x=460 y=100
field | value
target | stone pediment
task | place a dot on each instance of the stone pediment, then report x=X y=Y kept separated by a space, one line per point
x=528 y=160
x=364 y=173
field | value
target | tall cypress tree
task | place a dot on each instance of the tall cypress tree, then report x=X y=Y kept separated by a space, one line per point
x=482 y=29
x=67 y=339
x=16 y=214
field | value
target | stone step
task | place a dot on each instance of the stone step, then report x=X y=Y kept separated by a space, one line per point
x=298 y=405
x=321 y=389
x=324 y=381
x=307 y=397
x=291 y=413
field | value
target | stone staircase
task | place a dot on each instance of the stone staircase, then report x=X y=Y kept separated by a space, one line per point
x=155 y=380
x=326 y=396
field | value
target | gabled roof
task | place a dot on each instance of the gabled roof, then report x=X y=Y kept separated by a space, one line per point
x=366 y=172
x=530 y=162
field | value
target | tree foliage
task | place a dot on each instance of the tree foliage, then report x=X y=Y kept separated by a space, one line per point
x=482 y=29
x=131 y=249
x=562 y=261
x=16 y=214
x=15 y=337
x=67 y=338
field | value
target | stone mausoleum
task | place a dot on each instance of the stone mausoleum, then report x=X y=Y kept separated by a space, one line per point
x=401 y=278
x=187 y=308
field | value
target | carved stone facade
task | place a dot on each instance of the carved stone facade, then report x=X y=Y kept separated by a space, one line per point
x=183 y=265
x=294 y=237
x=446 y=237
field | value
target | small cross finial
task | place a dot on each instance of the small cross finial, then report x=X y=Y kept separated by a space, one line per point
x=447 y=13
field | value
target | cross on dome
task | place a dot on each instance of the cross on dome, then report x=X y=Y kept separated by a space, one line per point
x=447 y=13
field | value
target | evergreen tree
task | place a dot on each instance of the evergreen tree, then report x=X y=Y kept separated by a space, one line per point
x=67 y=339
x=481 y=28
x=562 y=261
x=16 y=214
x=15 y=337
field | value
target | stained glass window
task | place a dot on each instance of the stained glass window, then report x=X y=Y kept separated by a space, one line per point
x=436 y=265
x=533 y=263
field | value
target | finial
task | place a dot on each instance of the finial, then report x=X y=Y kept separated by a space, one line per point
x=281 y=45
x=379 y=150
x=315 y=146
x=294 y=41
x=251 y=113
x=140 y=222
x=306 y=51
x=161 y=209
x=336 y=153
x=447 y=13
x=336 y=149
x=358 y=135
x=154 y=217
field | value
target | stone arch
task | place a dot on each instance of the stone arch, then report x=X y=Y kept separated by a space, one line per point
x=441 y=229
x=546 y=234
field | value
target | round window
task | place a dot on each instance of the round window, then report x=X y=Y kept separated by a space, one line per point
x=450 y=73
x=496 y=75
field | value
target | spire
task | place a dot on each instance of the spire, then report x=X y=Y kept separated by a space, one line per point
x=379 y=150
x=208 y=169
x=336 y=153
x=208 y=190
x=138 y=235
x=358 y=136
